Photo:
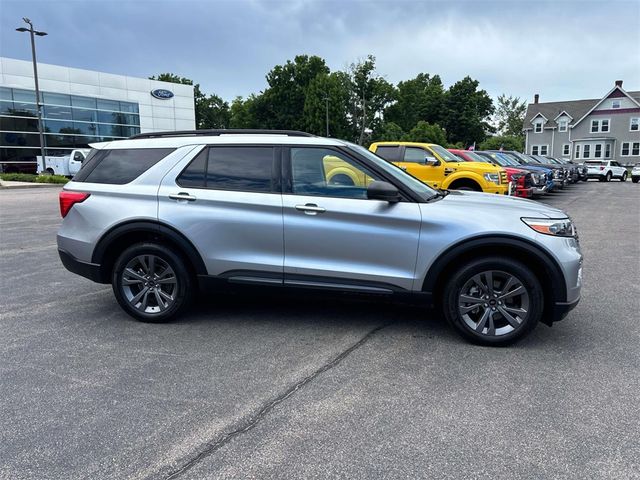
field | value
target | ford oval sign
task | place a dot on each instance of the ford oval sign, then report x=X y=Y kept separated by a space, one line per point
x=162 y=94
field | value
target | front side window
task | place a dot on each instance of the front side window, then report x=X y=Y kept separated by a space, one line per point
x=566 y=150
x=328 y=173
x=634 y=124
x=587 y=151
x=416 y=155
x=598 y=150
x=624 y=151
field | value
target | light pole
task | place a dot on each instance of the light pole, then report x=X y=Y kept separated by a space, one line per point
x=32 y=33
x=326 y=104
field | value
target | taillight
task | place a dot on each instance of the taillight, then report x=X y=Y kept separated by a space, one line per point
x=69 y=199
x=602 y=167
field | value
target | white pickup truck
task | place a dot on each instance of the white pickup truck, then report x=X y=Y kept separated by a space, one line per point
x=67 y=165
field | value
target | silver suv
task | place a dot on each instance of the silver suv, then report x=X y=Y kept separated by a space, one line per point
x=162 y=214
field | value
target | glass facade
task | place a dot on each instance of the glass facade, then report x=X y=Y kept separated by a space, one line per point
x=70 y=121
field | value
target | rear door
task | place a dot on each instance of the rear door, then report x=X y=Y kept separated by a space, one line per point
x=334 y=236
x=226 y=200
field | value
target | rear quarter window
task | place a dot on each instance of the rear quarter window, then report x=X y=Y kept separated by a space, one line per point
x=119 y=166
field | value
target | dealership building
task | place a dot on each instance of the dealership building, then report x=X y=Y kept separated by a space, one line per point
x=80 y=107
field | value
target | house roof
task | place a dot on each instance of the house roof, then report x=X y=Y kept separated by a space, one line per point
x=575 y=108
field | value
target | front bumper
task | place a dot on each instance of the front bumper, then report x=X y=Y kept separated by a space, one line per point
x=497 y=189
x=562 y=309
x=525 y=192
x=538 y=190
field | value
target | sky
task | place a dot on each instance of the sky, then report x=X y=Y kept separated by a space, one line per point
x=562 y=50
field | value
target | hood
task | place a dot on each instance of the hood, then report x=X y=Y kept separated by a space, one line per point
x=477 y=167
x=492 y=203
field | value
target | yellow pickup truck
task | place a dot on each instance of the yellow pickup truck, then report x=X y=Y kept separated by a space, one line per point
x=435 y=166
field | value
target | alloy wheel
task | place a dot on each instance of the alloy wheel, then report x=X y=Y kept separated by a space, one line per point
x=494 y=303
x=149 y=284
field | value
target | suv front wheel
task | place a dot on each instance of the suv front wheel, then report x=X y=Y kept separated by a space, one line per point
x=493 y=301
x=151 y=282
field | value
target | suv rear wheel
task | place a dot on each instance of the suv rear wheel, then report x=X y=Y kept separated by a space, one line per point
x=151 y=282
x=493 y=301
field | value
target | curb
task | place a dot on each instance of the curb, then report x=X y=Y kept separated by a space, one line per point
x=4 y=185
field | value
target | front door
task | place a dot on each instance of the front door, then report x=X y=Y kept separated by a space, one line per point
x=334 y=235
x=422 y=164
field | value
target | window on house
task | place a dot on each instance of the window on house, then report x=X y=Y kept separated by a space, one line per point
x=562 y=126
x=598 y=151
x=538 y=127
x=566 y=150
x=607 y=150
x=544 y=149
x=624 y=151
x=615 y=104
x=595 y=126
x=634 y=124
x=635 y=149
x=577 y=151
x=534 y=149
x=604 y=125
x=587 y=151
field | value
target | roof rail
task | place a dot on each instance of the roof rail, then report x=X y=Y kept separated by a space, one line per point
x=221 y=131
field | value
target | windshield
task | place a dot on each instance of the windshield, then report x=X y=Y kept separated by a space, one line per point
x=444 y=154
x=406 y=179
x=475 y=157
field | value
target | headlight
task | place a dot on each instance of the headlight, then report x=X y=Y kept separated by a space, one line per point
x=558 y=227
x=534 y=178
x=492 y=177
x=557 y=173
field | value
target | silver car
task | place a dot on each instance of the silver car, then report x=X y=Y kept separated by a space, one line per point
x=162 y=214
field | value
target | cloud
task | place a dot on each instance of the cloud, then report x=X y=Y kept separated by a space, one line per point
x=561 y=49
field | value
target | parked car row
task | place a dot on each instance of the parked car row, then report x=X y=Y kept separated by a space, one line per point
x=492 y=171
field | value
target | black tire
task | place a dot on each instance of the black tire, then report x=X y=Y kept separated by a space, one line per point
x=607 y=178
x=624 y=177
x=180 y=291
x=501 y=268
x=635 y=180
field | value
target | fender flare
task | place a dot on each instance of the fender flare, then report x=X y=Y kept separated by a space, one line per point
x=558 y=285
x=154 y=228
x=463 y=175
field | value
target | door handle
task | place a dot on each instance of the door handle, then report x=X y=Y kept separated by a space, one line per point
x=182 y=196
x=310 y=209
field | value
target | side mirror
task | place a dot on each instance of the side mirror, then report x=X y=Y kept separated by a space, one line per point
x=78 y=157
x=383 y=191
x=431 y=161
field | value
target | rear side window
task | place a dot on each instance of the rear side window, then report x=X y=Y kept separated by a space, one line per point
x=391 y=154
x=120 y=166
x=245 y=169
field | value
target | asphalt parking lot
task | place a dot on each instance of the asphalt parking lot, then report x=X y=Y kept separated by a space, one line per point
x=293 y=386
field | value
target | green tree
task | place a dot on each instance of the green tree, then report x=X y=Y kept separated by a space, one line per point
x=426 y=133
x=388 y=132
x=466 y=111
x=369 y=95
x=420 y=98
x=327 y=94
x=510 y=113
x=507 y=142
x=211 y=111
x=284 y=99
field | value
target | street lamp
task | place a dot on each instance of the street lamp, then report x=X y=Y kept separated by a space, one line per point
x=32 y=33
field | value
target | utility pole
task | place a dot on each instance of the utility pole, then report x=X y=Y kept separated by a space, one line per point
x=32 y=33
